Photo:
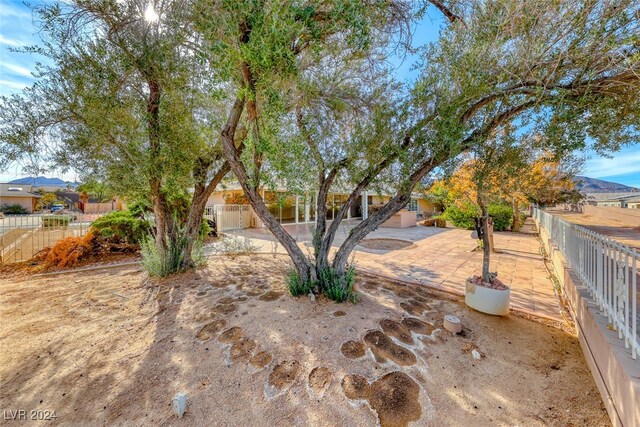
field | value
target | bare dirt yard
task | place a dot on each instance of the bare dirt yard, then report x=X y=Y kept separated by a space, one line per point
x=112 y=347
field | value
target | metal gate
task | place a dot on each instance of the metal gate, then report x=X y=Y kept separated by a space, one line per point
x=22 y=236
x=229 y=217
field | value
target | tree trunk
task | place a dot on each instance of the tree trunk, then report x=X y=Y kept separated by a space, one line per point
x=486 y=239
x=516 y=215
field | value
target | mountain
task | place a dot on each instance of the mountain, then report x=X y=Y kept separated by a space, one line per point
x=592 y=185
x=43 y=181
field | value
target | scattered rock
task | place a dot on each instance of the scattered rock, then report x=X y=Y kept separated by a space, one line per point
x=312 y=297
x=476 y=354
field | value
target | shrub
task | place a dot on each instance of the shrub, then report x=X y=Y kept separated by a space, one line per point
x=336 y=289
x=123 y=226
x=297 y=286
x=163 y=263
x=56 y=221
x=13 y=210
x=67 y=252
x=461 y=218
x=502 y=216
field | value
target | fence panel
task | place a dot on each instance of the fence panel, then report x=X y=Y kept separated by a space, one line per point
x=22 y=236
x=229 y=217
x=607 y=268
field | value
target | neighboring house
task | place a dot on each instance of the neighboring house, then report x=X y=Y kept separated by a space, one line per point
x=633 y=202
x=617 y=200
x=301 y=209
x=18 y=194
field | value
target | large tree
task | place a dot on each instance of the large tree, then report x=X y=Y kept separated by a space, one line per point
x=128 y=98
x=568 y=68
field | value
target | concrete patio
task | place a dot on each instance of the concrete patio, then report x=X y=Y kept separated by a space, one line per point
x=442 y=258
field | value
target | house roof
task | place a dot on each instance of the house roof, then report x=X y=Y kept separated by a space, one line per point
x=16 y=190
x=611 y=197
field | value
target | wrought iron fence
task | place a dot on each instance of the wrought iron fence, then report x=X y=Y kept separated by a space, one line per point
x=607 y=268
x=22 y=236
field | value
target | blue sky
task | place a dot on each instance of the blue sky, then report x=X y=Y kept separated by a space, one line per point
x=17 y=29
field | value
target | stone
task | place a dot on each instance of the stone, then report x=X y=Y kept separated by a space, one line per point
x=179 y=404
x=476 y=354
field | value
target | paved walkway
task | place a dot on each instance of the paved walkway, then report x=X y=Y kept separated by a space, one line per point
x=444 y=258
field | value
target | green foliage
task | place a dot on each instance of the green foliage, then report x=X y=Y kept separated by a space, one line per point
x=56 y=221
x=502 y=216
x=122 y=225
x=461 y=217
x=298 y=287
x=464 y=217
x=47 y=199
x=161 y=263
x=13 y=210
x=339 y=288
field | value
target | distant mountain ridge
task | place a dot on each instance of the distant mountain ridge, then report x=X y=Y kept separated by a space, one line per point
x=593 y=185
x=43 y=181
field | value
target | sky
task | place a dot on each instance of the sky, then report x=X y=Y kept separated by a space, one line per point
x=17 y=28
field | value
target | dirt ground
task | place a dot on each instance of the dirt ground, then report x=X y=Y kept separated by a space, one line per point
x=113 y=347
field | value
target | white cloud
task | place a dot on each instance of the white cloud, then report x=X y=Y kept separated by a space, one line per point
x=12 y=84
x=10 y=42
x=17 y=69
x=621 y=164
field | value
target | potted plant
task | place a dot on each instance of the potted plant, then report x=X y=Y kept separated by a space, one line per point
x=490 y=297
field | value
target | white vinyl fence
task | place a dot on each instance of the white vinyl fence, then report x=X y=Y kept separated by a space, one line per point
x=607 y=268
x=22 y=236
x=229 y=217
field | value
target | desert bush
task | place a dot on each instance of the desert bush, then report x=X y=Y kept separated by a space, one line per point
x=297 y=286
x=123 y=226
x=56 y=221
x=13 y=210
x=235 y=245
x=67 y=252
x=162 y=263
x=502 y=216
x=337 y=290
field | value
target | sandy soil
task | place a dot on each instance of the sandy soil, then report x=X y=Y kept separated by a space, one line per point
x=113 y=347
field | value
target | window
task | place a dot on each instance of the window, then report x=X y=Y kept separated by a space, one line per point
x=413 y=205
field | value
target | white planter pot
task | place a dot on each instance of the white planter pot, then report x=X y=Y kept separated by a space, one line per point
x=487 y=300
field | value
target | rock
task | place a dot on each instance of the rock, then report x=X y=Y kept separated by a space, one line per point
x=452 y=324
x=312 y=297
x=179 y=404
x=476 y=354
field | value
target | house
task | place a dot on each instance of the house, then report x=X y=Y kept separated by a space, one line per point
x=617 y=200
x=301 y=209
x=18 y=194
x=633 y=202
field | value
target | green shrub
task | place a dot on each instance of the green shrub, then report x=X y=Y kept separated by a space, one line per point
x=56 y=221
x=336 y=289
x=122 y=225
x=461 y=218
x=298 y=287
x=163 y=263
x=13 y=210
x=502 y=217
